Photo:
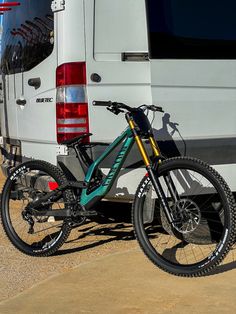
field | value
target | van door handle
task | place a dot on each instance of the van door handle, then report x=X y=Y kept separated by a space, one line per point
x=21 y=102
x=35 y=82
x=134 y=56
x=95 y=78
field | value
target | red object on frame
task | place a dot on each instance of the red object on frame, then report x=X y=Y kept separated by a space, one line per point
x=5 y=9
x=52 y=185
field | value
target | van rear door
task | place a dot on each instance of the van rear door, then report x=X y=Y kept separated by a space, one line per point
x=29 y=36
x=117 y=60
x=193 y=76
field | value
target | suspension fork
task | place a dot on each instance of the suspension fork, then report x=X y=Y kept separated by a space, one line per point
x=168 y=180
x=154 y=179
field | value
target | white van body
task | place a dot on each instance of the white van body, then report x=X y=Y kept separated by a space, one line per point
x=111 y=40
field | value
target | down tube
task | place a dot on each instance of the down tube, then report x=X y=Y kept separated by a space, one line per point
x=87 y=200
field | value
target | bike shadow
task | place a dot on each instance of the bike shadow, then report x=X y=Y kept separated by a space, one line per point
x=227 y=265
x=223 y=268
x=92 y=234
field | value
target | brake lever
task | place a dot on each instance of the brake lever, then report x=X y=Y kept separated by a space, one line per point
x=156 y=108
x=110 y=109
x=114 y=110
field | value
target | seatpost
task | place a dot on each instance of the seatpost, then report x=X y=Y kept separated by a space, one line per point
x=82 y=156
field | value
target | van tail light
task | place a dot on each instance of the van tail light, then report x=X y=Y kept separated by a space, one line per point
x=72 y=105
x=9 y=4
x=5 y=9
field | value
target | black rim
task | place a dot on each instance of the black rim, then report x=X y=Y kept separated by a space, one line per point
x=173 y=241
x=45 y=231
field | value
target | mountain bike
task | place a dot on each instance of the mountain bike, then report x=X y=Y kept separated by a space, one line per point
x=183 y=211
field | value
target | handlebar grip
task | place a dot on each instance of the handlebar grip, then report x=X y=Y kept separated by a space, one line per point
x=159 y=109
x=156 y=108
x=102 y=103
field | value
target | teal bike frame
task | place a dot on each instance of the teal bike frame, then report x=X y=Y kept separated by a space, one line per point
x=91 y=195
x=89 y=199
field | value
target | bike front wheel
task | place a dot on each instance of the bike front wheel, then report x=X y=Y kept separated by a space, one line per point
x=34 y=235
x=203 y=208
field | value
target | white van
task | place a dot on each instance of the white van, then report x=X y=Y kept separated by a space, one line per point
x=58 y=56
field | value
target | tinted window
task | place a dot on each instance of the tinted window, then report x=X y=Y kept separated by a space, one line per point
x=27 y=35
x=192 y=29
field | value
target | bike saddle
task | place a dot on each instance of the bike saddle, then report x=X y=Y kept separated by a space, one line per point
x=76 y=140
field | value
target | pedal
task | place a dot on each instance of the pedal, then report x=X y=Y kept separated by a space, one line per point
x=87 y=213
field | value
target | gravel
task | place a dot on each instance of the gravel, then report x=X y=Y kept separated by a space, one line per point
x=90 y=241
x=19 y=272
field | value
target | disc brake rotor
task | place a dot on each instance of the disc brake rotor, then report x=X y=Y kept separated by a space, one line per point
x=186 y=214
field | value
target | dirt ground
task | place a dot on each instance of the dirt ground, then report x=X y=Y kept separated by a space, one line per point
x=101 y=242
x=19 y=272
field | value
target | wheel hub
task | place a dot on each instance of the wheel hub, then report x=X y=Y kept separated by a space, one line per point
x=187 y=215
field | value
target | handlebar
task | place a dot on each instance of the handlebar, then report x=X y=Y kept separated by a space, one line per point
x=116 y=107
x=102 y=103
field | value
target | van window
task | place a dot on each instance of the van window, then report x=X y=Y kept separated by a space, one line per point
x=119 y=28
x=196 y=29
x=27 y=35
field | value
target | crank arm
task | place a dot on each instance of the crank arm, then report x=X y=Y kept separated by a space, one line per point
x=63 y=213
x=51 y=213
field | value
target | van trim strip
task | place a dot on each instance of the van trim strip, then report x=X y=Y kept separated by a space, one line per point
x=217 y=151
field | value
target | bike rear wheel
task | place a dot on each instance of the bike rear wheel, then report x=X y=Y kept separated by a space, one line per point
x=204 y=211
x=36 y=236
